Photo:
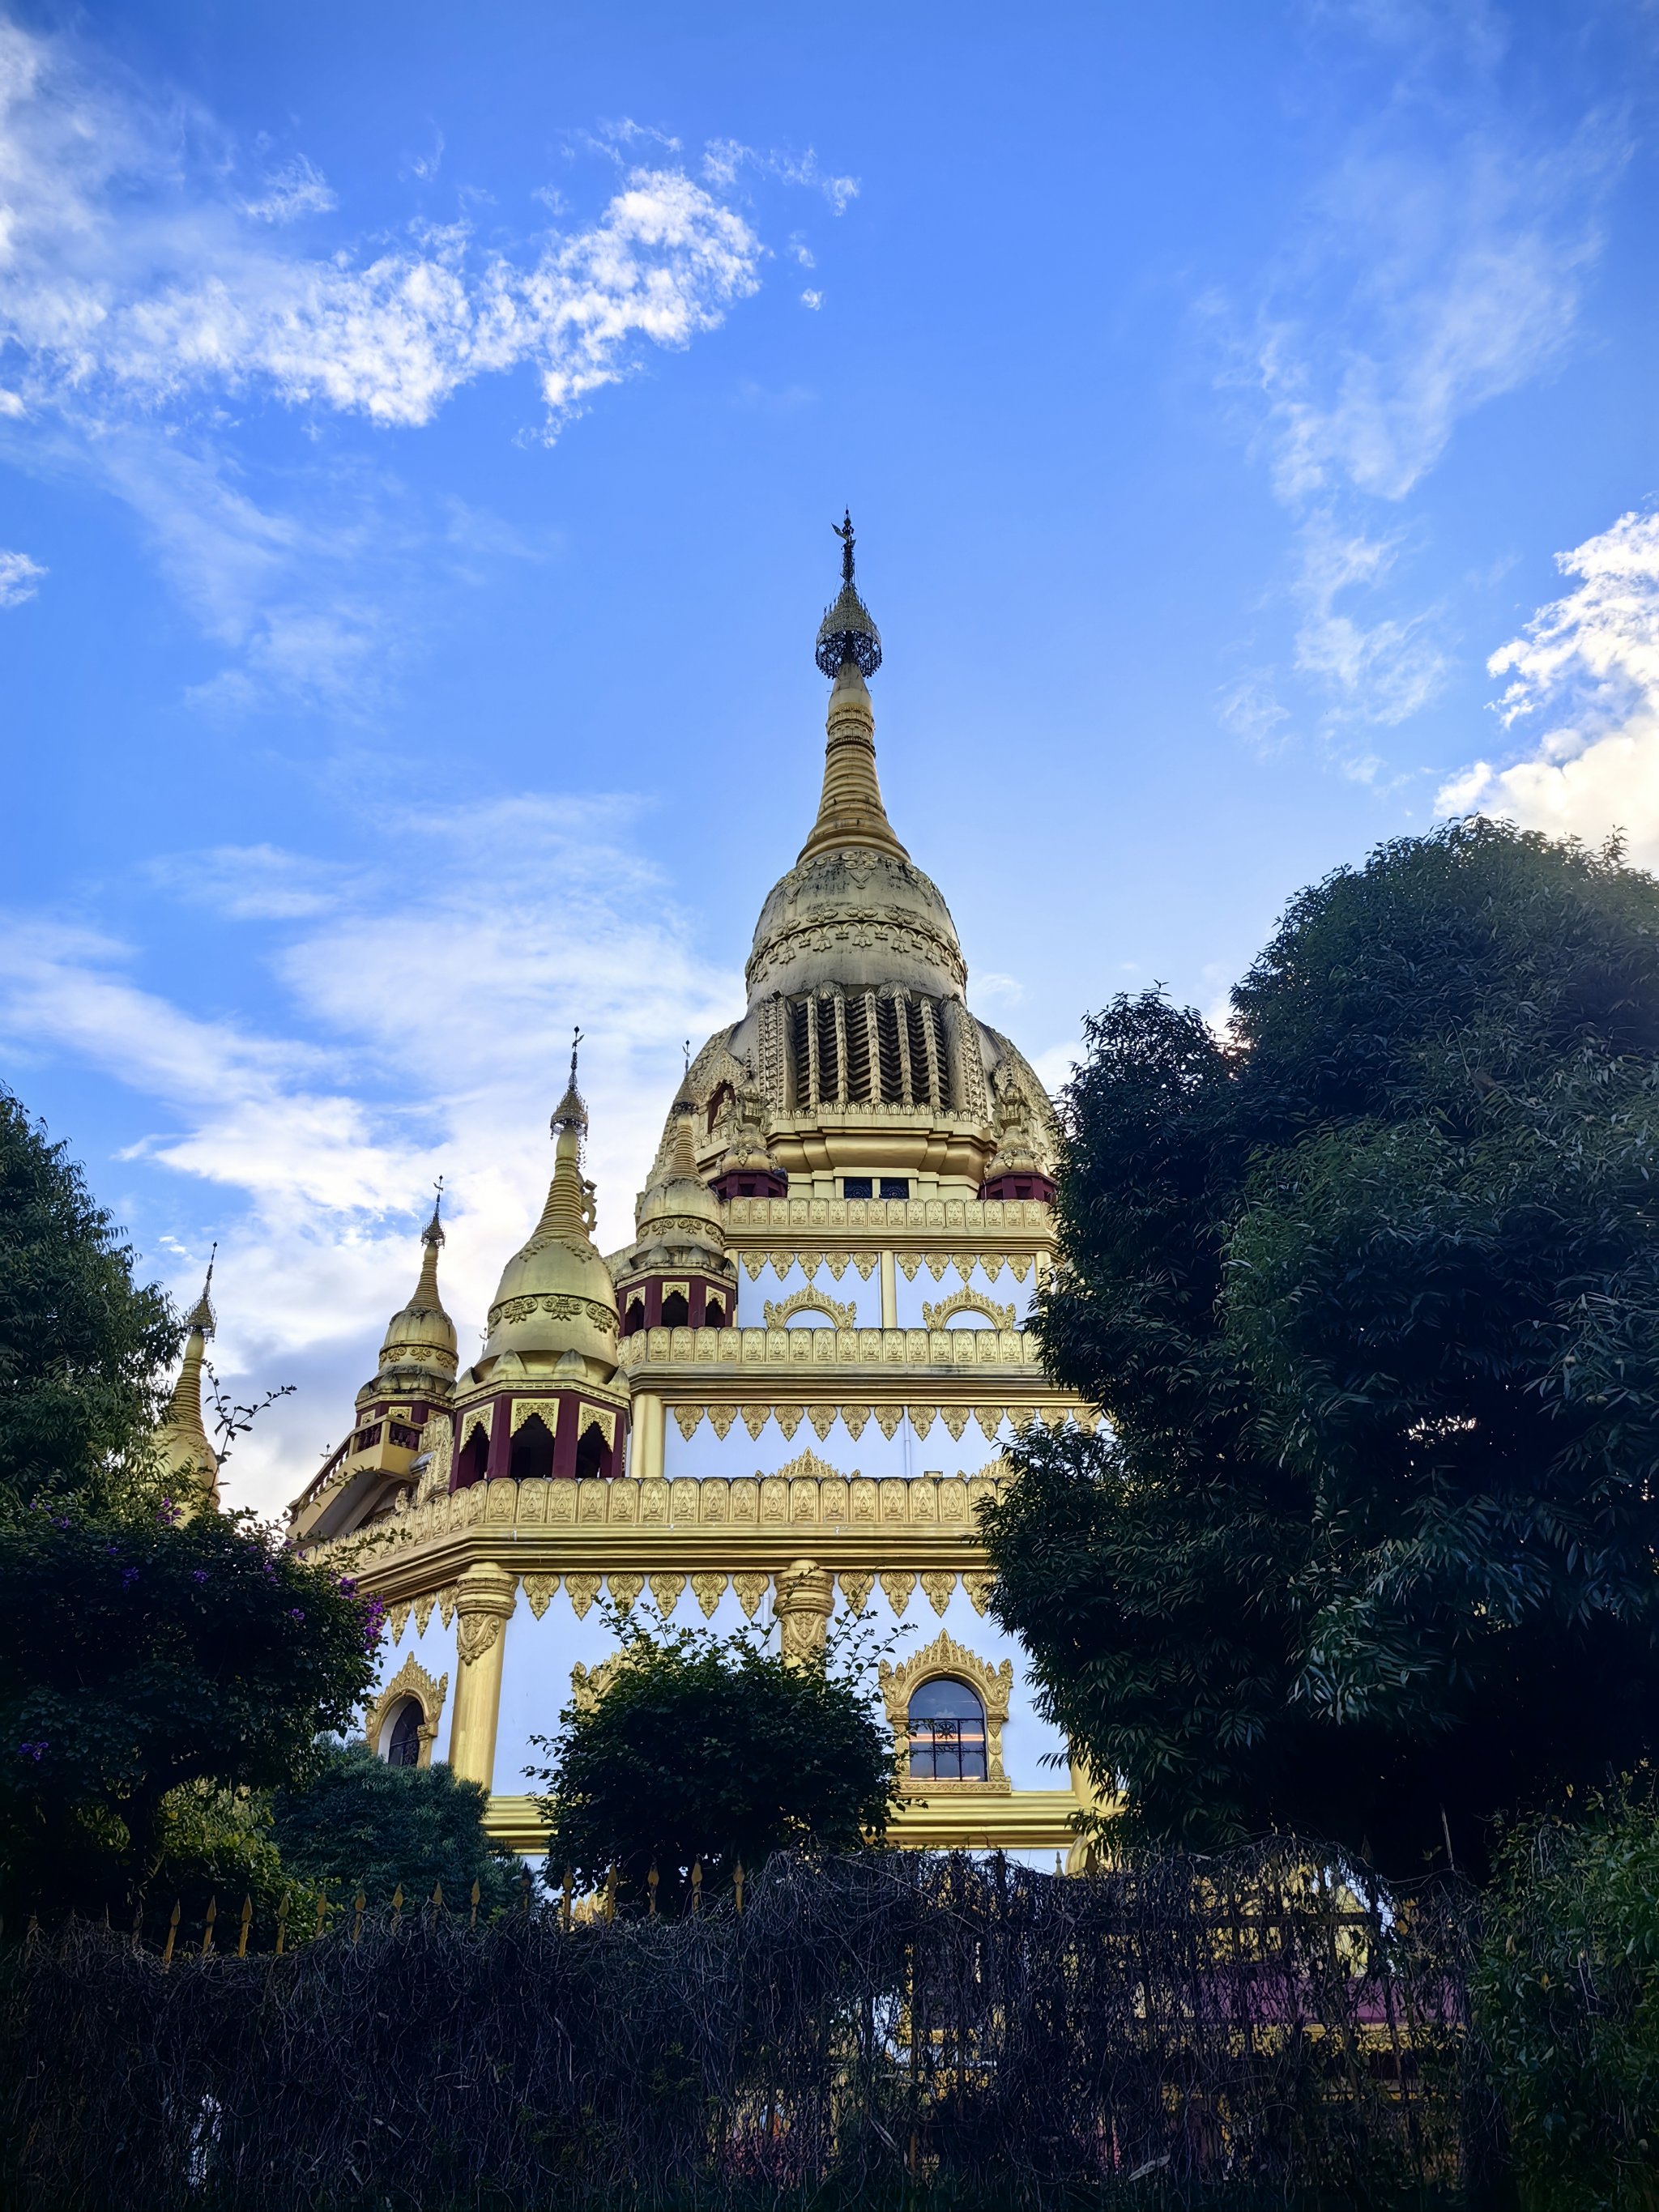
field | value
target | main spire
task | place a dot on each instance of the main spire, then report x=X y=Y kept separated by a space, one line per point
x=850 y=811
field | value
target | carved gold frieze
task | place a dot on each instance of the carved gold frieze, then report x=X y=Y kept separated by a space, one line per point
x=940 y=1315
x=779 y=1312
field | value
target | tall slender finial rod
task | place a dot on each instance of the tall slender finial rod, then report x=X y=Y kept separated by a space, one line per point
x=843 y=530
x=847 y=632
x=575 y=1044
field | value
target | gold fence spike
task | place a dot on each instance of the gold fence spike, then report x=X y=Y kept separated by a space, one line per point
x=565 y=1912
x=737 y=1887
x=472 y=1918
x=248 y=1922
x=610 y=1893
x=696 y=1886
x=437 y=1901
x=172 y=1933
x=207 y=1925
x=398 y=1906
x=651 y=1881
x=525 y=1884
x=282 y=1925
x=359 y=1906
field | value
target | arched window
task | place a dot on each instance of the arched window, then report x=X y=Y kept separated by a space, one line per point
x=714 y=1314
x=475 y=1458
x=970 y=1317
x=593 y=1453
x=402 y=1738
x=634 y=1319
x=946 y=1725
x=675 y=1314
x=533 y=1451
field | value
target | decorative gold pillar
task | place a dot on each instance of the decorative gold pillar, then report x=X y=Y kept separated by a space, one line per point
x=644 y=1455
x=889 y=1291
x=1083 y=1853
x=485 y=1599
x=803 y=1605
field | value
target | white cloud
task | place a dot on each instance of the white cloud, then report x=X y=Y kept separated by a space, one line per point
x=724 y=160
x=427 y=1035
x=1449 y=267
x=1441 y=263
x=129 y=276
x=812 y=300
x=1588 y=665
x=296 y=189
x=1382 y=671
x=20 y=579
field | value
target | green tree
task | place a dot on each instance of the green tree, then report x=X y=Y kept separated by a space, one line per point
x=1370 y=1291
x=1567 y=1998
x=139 y=1653
x=358 y=1822
x=82 y=1349
x=711 y=1748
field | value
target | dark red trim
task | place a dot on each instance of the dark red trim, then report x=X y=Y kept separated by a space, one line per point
x=1019 y=1186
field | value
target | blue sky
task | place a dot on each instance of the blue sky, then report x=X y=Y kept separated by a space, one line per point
x=420 y=430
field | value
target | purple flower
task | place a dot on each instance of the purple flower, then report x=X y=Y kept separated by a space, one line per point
x=295 y=1613
x=199 y=1574
x=31 y=1751
x=128 y=1575
x=349 y=1585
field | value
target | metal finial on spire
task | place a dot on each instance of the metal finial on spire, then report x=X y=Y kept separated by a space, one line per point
x=570 y=1113
x=433 y=1231
x=843 y=530
x=847 y=632
x=201 y=1314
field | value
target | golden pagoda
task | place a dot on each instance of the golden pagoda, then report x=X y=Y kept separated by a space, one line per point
x=788 y=1395
x=184 y=1450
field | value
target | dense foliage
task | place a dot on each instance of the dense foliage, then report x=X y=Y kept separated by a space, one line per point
x=139 y=1652
x=882 y=2033
x=358 y=1823
x=1567 y=1992
x=1370 y=1291
x=82 y=1348
x=703 y=1749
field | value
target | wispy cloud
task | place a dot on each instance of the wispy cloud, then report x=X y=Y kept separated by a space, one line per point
x=724 y=160
x=1586 y=667
x=20 y=579
x=426 y=1036
x=152 y=294
x=1441 y=263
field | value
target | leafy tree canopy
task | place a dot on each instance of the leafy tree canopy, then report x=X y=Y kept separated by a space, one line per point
x=702 y=1747
x=359 y=1823
x=1370 y=1291
x=82 y=1349
x=139 y=1653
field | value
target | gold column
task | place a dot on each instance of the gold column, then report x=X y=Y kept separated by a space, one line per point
x=806 y=1599
x=889 y=1291
x=644 y=1454
x=485 y=1599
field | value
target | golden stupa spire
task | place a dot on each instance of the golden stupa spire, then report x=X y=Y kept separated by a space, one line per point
x=186 y=1451
x=565 y=1216
x=432 y=1236
x=850 y=811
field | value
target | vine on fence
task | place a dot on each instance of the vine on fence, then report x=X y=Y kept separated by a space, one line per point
x=872 y=2025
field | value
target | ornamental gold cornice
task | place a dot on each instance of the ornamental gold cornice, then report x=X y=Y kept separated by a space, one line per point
x=760 y=1352
x=561 y=1305
x=910 y=1218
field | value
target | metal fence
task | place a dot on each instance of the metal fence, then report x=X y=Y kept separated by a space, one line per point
x=879 y=2029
